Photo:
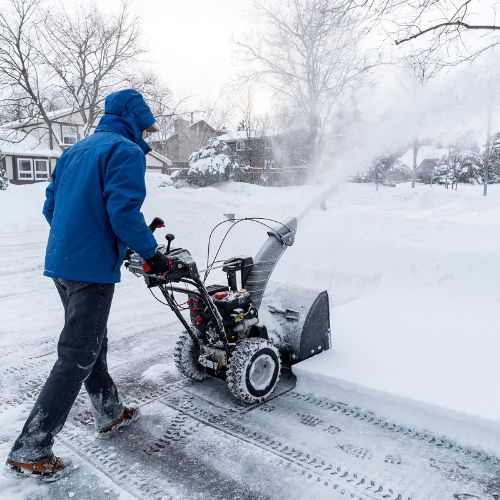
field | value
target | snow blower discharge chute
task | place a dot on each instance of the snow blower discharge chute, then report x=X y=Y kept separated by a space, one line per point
x=224 y=336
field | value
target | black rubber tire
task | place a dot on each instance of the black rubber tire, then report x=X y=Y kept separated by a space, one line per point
x=246 y=353
x=186 y=355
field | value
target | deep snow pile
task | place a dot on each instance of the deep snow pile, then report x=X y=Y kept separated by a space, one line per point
x=413 y=278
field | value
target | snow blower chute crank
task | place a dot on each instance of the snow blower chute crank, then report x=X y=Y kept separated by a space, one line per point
x=224 y=337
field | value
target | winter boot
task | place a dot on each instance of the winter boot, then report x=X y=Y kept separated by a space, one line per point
x=130 y=414
x=49 y=469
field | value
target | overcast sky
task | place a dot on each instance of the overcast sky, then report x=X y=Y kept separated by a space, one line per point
x=189 y=43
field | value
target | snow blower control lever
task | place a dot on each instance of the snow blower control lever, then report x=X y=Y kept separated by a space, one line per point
x=169 y=237
x=224 y=336
x=156 y=223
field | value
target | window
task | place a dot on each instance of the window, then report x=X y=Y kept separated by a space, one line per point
x=29 y=169
x=41 y=169
x=69 y=134
x=240 y=146
x=25 y=169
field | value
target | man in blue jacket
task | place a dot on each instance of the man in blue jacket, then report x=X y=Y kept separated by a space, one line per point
x=93 y=206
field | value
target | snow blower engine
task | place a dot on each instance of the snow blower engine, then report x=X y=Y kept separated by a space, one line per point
x=234 y=331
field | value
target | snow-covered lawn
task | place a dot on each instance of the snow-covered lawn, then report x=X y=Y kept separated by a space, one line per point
x=413 y=278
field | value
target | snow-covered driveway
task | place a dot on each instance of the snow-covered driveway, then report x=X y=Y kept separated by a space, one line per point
x=194 y=441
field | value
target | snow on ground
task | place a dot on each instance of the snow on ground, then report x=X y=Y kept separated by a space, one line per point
x=413 y=278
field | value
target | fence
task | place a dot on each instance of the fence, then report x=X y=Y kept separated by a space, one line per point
x=291 y=176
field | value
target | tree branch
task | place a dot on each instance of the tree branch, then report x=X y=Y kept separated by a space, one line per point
x=459 y=24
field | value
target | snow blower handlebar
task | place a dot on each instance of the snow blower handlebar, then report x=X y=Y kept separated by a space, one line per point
x=154 y=225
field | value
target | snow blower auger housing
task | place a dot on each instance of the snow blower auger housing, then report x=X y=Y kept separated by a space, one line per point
x=224 y=336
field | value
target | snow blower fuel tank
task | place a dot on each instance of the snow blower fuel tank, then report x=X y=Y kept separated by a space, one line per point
x=297 y=319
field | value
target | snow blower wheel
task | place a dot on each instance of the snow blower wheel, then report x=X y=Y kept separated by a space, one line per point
x=254 y=370
x=186 y=356
x=224 y=336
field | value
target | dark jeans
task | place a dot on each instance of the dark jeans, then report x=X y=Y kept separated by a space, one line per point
x=81 y=359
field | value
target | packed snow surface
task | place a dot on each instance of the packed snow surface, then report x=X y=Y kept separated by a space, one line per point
x=413 y=278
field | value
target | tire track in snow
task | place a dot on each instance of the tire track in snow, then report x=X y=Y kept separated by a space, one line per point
x=137 y=481
x=400 y=461
x=333 y=477
x=440 y=442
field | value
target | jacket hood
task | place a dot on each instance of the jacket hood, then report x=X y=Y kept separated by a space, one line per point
x=126 y=113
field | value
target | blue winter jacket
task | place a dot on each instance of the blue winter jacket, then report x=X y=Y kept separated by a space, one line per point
x=93 y=204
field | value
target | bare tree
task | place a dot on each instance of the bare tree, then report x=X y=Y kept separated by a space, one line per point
x=88 y=52
x=53 y=60
x=309 y=54
x=255 y=128
x=251 y=122
x=26 y=88
x=441 y=23
x=221 y=111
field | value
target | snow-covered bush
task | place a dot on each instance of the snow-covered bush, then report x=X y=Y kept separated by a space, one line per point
x=4 y=180
x=166 y=180
x=493 y=159
x=213 y=163
x=462 y=167
x=386 y=169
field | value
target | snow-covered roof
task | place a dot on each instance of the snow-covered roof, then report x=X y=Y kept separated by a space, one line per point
x=160 y=157
x=424 y=153
x=233 y=135
x=53 y=115
x=15 y=142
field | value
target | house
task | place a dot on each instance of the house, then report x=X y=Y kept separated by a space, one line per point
x=427 y=158
x=267 y=149
x=186 y=138
x=25 y=158
x=29 y=153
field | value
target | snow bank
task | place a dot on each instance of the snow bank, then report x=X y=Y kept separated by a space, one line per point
x=414 y=280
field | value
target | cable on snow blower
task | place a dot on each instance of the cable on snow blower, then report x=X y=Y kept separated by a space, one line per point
x=224 y=336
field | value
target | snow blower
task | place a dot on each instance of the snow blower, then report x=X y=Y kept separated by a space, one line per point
x=224 y=336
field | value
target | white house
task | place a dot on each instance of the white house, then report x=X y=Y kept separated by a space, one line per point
x=29 y=154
